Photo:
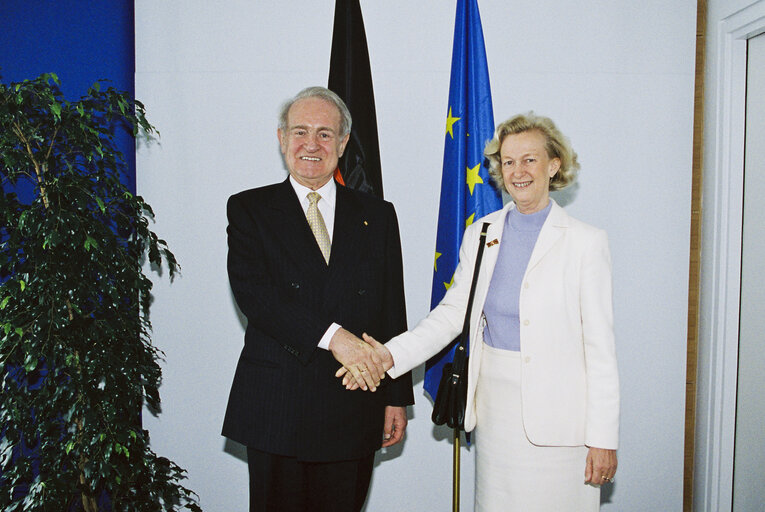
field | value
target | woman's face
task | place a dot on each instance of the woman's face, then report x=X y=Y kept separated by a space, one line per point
x=526 y=170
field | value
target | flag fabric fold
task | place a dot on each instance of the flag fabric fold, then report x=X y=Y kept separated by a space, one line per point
x=467 y=193
x=350 y=77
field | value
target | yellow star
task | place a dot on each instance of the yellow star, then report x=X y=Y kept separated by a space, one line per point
x=473 y=177
x=469 y=220
x=450 y=283
x=435 y=261
x=450 y=123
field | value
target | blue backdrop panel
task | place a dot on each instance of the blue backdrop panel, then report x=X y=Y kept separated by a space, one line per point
x=80 y=40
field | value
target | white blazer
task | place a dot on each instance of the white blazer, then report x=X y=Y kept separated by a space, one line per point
x=569 y=379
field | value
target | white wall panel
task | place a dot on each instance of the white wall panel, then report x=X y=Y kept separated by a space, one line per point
x=617 y=77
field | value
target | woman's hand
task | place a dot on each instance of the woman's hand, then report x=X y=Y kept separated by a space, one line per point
x=600 y=467
x=383 y=353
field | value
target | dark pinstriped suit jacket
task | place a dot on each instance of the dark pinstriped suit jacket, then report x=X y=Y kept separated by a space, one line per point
x=285 y=398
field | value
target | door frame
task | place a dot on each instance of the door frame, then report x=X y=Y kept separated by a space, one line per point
x=721 y=262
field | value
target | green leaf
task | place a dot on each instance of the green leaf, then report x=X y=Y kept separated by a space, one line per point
x=22 y=284
x=30 y=363
x=19 y=331
x=69 y=446
x=5 y=303
x=101 y=204
x=90 y=242
x=56 y=109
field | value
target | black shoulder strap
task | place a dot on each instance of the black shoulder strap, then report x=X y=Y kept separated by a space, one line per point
x=479 y=257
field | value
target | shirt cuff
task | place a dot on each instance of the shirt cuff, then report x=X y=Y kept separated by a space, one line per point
x=324 y=341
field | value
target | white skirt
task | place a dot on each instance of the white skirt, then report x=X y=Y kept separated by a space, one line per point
x=513 y=475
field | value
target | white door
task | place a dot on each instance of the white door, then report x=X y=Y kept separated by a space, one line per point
x=749 y=452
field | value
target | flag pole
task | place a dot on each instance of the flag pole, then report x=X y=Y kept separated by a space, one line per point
x=456 y=472
x=466 y=190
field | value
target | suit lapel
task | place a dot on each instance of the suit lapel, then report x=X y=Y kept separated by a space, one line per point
x=347 y=231
x=490 y=255
x=292 y=228
x=347 y=241
x=552 y=230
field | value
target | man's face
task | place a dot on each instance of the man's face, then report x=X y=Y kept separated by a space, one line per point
x=311 y=142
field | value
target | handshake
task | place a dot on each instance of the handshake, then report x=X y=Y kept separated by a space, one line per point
x=364 y=361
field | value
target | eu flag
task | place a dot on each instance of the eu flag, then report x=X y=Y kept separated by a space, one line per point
x=466 y=190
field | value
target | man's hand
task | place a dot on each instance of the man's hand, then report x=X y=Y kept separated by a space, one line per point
x=359 y=360
x=384 y=356
x=395 y=425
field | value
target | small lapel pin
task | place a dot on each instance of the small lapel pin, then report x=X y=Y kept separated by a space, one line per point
x=366 y=223
x=493 y=242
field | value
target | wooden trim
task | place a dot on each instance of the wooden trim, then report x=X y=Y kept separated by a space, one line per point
x=694 y=270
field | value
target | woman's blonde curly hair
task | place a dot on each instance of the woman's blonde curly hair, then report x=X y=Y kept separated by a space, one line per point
x=557 y=145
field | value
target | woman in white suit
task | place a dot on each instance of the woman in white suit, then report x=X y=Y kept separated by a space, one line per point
x=543 y=389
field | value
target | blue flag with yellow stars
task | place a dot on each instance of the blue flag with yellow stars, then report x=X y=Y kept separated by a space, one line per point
x=467 y=193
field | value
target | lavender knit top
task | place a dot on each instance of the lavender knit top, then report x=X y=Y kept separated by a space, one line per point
x=503 y=328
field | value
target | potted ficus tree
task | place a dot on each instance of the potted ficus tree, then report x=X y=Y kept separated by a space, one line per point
x=75 y=350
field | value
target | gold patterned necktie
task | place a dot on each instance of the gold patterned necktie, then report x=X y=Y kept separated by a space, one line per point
x=316 y=221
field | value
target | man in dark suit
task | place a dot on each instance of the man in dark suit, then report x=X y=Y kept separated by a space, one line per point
x=313 y=265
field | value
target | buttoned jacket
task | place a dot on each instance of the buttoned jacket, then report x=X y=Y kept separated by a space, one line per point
x=569 y=378
x=285 y=398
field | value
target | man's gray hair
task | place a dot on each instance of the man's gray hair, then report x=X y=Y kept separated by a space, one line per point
x=324 y=94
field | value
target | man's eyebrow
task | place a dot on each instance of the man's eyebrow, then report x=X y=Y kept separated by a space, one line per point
x=320 y=128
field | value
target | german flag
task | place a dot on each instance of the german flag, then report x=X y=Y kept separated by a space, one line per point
x=350 y=77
